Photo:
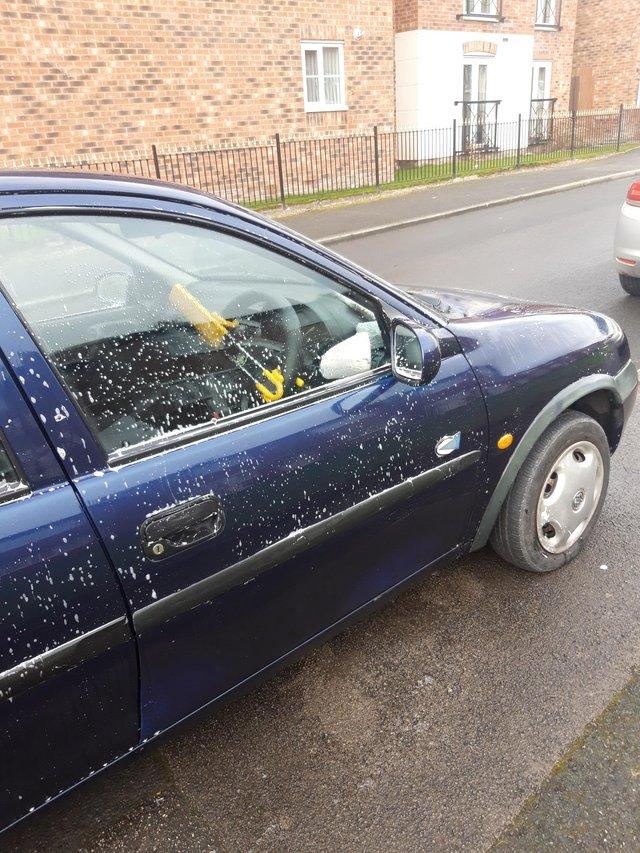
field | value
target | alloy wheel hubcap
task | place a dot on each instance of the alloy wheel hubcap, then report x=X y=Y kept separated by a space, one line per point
x=569 y=496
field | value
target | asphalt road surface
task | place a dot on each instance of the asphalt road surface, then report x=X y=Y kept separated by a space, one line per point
x=429 y=725
x=556 y=248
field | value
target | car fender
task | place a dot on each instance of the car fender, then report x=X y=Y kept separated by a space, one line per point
x=622 y=385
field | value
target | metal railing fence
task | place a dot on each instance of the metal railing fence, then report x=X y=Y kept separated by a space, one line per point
x=541 y=119
x=287 y=170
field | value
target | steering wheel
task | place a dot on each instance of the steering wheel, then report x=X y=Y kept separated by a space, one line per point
x=255 y=301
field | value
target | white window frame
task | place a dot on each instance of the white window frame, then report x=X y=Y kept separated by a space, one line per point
x=554 y=23
x=546 y=64
x=494 y=15
x=322 y=106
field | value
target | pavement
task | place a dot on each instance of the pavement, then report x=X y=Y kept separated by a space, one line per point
x=329 y=224
x=484 y=707
x=598 y=778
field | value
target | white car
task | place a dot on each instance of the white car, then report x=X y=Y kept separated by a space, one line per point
x=627 y=241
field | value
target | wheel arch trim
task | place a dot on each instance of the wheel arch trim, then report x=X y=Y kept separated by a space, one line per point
x=621 y=386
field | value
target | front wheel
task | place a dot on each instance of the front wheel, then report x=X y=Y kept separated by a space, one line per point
x=630 y=284
x=557 y=496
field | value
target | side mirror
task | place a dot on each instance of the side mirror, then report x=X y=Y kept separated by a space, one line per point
x=415 y=352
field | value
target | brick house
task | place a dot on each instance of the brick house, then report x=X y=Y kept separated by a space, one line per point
x=606 y=60
x=102 y=79
x=85 y=78
x=501 y=53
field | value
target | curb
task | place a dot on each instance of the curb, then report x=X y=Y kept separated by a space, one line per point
x=457 y=211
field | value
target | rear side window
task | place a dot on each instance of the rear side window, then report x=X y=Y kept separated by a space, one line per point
x=10 y=480
x=157 y=326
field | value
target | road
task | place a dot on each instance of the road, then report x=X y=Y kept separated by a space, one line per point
x=429 y=725
x=556 y=248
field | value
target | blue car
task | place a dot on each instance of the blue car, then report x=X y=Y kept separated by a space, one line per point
x=221 y=442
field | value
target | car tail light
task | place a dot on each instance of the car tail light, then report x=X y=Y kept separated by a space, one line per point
x=633 y=195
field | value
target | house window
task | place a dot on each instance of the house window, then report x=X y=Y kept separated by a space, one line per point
x=474 y=83
x=323 y=73
x=548 y=13
x=541 y=112
x=540 y=81
x=482 y=8
x=479 y=115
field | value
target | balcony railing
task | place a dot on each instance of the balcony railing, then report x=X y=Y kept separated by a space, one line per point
x=548 y=13
x=483 y=8
x=479 y=125
x=541 y=120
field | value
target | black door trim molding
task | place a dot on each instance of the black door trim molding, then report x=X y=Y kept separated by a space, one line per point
x=66 y=656
x=297 y=542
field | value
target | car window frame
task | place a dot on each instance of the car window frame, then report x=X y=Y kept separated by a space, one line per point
x=199 y=432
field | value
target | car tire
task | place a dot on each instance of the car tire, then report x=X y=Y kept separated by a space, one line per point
x=562 y=482
x=630 y=284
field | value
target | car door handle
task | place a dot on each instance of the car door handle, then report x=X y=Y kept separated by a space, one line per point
x=181 y=526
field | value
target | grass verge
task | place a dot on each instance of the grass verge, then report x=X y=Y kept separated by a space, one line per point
x=434 y=173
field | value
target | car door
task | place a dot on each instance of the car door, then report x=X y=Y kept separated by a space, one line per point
x=68 y=672
x=249 y=501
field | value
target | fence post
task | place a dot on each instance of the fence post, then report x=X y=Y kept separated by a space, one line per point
x=156 y=162
x=376 y=153
x=280 y=173
x=573 y=132
x=453 y=156
x=620 y=117
x=519 y=132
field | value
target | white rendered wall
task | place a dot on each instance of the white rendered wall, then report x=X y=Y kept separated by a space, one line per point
x=429 y=72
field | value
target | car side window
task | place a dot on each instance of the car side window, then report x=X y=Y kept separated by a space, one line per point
x=10 y=480
x=157 y=326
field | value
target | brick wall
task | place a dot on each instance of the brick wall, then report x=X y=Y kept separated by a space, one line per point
x=557 y=47
x=607 y=53
x=103 y=77
x=406 y=15
x=519 y=16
